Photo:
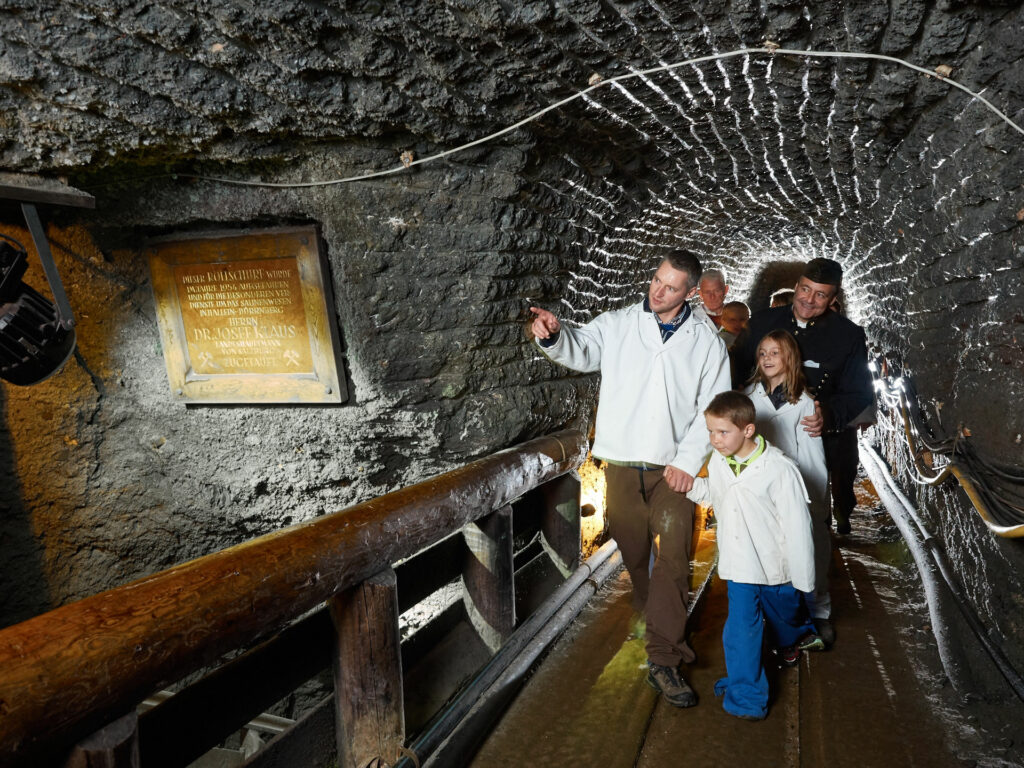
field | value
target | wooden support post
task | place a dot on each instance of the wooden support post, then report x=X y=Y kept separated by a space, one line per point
x=116 y=746
x=368 y=672
x=489 y=592
x=560 y=524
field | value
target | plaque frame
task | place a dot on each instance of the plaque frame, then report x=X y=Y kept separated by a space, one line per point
x=325 y=383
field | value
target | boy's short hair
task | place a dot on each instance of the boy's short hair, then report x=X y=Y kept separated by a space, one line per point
x=734 y=406
x=738 y=307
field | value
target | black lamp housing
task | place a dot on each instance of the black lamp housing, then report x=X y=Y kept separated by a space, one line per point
x=34 y=344
x=37 y=335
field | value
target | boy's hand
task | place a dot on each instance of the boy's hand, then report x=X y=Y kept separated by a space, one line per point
x=812 y=424
x=544 y=324
x=677 y=480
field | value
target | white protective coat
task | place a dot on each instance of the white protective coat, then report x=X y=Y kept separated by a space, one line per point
x=782 y=429
x=764 y=525
x=653 y=394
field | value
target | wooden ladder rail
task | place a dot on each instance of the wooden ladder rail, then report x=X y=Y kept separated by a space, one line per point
x=80 y=670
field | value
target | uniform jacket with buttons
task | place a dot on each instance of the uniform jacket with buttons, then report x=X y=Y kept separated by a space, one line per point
x=653 y=393
x=835 y=360
x=764 y=526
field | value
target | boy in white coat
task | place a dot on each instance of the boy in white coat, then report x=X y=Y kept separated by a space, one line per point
x=765 y=549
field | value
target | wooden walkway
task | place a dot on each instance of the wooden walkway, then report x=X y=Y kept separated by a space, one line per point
x=863 y=703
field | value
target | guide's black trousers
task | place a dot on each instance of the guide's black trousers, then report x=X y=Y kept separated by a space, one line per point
x=841 y=458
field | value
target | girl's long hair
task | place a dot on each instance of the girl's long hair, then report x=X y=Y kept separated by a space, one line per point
x=794 y=384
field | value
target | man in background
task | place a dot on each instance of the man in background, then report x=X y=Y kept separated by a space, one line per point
x=713 y=290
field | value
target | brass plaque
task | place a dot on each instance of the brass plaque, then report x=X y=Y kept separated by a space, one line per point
x=246 y=317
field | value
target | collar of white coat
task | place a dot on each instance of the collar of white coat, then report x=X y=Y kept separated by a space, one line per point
x=757 y=466
x=697 y=322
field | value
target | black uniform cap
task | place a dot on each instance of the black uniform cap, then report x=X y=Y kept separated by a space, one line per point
x=824 y=271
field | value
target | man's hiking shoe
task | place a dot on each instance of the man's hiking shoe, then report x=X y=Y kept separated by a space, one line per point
x=789 y=657
x=671 y=684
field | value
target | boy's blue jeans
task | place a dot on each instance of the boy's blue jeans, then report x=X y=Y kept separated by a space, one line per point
x=752 y=607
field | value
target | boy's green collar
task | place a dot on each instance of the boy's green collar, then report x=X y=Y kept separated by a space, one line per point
x=739 y=466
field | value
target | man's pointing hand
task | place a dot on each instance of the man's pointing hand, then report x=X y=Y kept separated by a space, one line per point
x=544 y=324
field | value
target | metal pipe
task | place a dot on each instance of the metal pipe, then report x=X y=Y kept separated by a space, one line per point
x=447 y=720
x=919 y=542
x=952 y=468
x=466 y=737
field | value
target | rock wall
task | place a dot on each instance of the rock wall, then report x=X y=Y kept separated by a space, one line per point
x=109 y=480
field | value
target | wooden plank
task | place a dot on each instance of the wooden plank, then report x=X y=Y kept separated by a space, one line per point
x=116 y=746
x=310 y=743
x=197 y=719
x=560 y=525
x=370 y=720
x=68 y=672
x=422 y=575
x=487 y=579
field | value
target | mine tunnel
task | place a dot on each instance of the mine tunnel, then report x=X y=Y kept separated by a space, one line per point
x=393 y=185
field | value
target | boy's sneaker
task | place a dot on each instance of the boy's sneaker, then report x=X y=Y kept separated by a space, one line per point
x=671 y=684
x=789 y=657
x=811 y=642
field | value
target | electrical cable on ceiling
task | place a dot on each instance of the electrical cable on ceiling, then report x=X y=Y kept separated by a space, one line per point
x=598 y=82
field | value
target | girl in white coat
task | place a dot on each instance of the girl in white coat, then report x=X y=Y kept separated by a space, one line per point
x=780 y=398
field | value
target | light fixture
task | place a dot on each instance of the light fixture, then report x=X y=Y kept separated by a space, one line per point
x=37 y=336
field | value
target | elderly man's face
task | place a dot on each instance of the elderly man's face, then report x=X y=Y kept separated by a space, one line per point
x=712 y=293
x=811 y=299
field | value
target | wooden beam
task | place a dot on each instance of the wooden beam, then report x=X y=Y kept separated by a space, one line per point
x=116 y=746
x=487 y=579
x=370 y=722
x=560 y=525
x=70 y=671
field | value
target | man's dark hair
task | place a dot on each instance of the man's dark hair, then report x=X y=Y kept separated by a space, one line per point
x=685 y=261
x=732 y=406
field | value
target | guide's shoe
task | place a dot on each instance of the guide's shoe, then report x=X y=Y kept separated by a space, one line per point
x=825 y=630
x=673 y=687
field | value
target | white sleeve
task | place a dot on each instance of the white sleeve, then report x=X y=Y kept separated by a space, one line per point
x=580 y=348
x=701 y=491
x=811 y=457
x=715 y=378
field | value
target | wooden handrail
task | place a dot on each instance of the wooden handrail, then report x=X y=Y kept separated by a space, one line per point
x=69 y=672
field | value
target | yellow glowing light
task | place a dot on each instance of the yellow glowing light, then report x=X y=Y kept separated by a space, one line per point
x=592 y=492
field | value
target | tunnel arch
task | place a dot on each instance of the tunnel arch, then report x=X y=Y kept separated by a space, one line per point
x=913 y=187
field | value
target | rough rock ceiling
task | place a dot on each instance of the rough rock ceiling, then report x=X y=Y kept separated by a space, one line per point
x=751 y=159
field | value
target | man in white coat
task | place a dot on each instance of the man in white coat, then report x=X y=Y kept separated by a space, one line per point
x=661 y=363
